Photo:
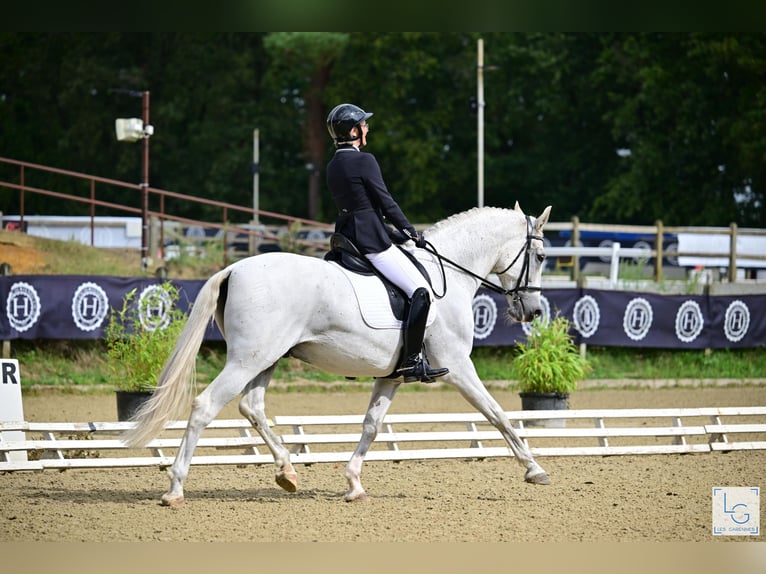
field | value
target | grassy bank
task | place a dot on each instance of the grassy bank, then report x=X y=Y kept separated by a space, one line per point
x=82 y=365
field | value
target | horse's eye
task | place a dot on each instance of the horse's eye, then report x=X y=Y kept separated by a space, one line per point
x=540 y=257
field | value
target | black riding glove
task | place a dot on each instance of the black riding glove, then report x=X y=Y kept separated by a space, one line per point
x=420 y=240
x=398 y=237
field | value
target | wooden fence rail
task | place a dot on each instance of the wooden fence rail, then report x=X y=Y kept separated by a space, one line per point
x=328 y=438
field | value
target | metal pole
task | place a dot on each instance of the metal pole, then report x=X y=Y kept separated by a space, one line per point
x=480 y=120
x=256 y=169
x=145 y=189
x=255 y=240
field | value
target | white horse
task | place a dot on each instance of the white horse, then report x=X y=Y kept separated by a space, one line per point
x=275 y=304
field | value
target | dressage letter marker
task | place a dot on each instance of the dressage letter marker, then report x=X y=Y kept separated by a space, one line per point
x=10 y=404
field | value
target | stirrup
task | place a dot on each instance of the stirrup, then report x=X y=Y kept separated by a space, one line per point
x=420 y=370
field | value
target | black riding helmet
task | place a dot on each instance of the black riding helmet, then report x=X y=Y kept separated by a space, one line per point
x=342 y=119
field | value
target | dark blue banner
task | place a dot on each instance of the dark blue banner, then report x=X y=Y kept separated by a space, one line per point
x=77 y=307
x=634 y=319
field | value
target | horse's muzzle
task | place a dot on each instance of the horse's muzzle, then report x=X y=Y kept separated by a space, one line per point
x=520 y=313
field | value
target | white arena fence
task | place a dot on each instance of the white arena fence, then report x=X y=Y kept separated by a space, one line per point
x=332 y=438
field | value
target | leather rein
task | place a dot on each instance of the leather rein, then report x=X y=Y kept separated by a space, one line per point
x=518 y=288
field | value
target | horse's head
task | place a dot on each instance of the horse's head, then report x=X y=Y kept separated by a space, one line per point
x=521 y=268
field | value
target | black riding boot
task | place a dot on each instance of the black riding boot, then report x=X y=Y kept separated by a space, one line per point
x=415 y=365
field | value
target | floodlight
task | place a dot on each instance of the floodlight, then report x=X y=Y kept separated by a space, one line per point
x=129 y=129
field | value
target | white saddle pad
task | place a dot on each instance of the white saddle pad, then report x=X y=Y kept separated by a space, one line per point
x=372 y=298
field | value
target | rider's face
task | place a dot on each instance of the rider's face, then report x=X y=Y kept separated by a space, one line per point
x=361 y=131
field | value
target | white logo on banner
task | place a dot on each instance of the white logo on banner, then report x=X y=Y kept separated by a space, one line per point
x=484 y=316
x=638 y=318
x=23 y=306
x=689 y=321
x=737 y=321
x=154 y=306
x=587 y=316
x=89 y=306
x=545 y=319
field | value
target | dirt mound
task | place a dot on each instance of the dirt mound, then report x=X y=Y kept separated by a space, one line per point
x=32 y=255
x=21 y=253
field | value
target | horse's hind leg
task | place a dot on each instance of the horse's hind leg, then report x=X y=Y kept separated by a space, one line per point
x=382 y=394
x=205 y=408
x=253 y=408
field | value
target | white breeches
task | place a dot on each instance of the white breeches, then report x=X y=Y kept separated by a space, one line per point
x=395 y=266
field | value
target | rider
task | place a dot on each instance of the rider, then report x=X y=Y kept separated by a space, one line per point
x=362 y=199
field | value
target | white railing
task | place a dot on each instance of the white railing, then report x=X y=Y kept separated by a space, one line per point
x=614 y=253
x=331 y=438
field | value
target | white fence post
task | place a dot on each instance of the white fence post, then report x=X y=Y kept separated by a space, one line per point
x=614 y=267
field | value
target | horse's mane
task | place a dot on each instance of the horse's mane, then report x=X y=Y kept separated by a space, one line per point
x=458 y=218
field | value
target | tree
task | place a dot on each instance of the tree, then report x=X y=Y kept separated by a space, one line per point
x=303 y=62
x=418 y=86
x=687 y=108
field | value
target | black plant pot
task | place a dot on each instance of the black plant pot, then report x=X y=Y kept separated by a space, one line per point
x=545 y=402
x=128 y=402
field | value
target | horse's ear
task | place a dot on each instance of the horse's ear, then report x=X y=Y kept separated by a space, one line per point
x=543 y=219
x=517 y=207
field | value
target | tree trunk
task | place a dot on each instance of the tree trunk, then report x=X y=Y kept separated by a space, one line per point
x=316 y=139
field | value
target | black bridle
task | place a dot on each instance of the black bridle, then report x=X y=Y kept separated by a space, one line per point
x=525 y=250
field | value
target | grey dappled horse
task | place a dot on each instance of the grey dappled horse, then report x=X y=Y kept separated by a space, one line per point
x=271 y=305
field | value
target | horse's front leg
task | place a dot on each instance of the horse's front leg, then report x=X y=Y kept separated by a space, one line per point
x=253 y=408
x=382 y=394
x=474 y=391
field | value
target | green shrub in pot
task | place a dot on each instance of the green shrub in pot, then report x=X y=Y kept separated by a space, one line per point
x=549 y=361
x=138 y=349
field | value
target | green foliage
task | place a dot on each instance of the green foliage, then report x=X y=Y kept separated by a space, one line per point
x=688 y=106
x=139 y=341
x=196 y=258
x=549 y=361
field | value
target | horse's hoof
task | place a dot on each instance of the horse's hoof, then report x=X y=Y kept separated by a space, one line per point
x=539 y=478
x=172 y=500
x=362 y=497
x=288 y=481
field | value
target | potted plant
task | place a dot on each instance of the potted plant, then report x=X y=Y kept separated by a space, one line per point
x=139 y=339
x=548 y=367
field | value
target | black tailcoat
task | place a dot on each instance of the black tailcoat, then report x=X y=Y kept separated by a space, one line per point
x=363 y=201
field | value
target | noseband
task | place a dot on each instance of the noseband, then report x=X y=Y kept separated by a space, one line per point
x=518 y=288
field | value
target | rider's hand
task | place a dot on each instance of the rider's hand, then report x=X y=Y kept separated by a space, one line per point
x=420 y=240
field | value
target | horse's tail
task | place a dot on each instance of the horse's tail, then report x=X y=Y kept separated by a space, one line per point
x=175 y=385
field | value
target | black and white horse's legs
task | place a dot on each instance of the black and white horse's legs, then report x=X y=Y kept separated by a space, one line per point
x=382 y=394
x=253 y=408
